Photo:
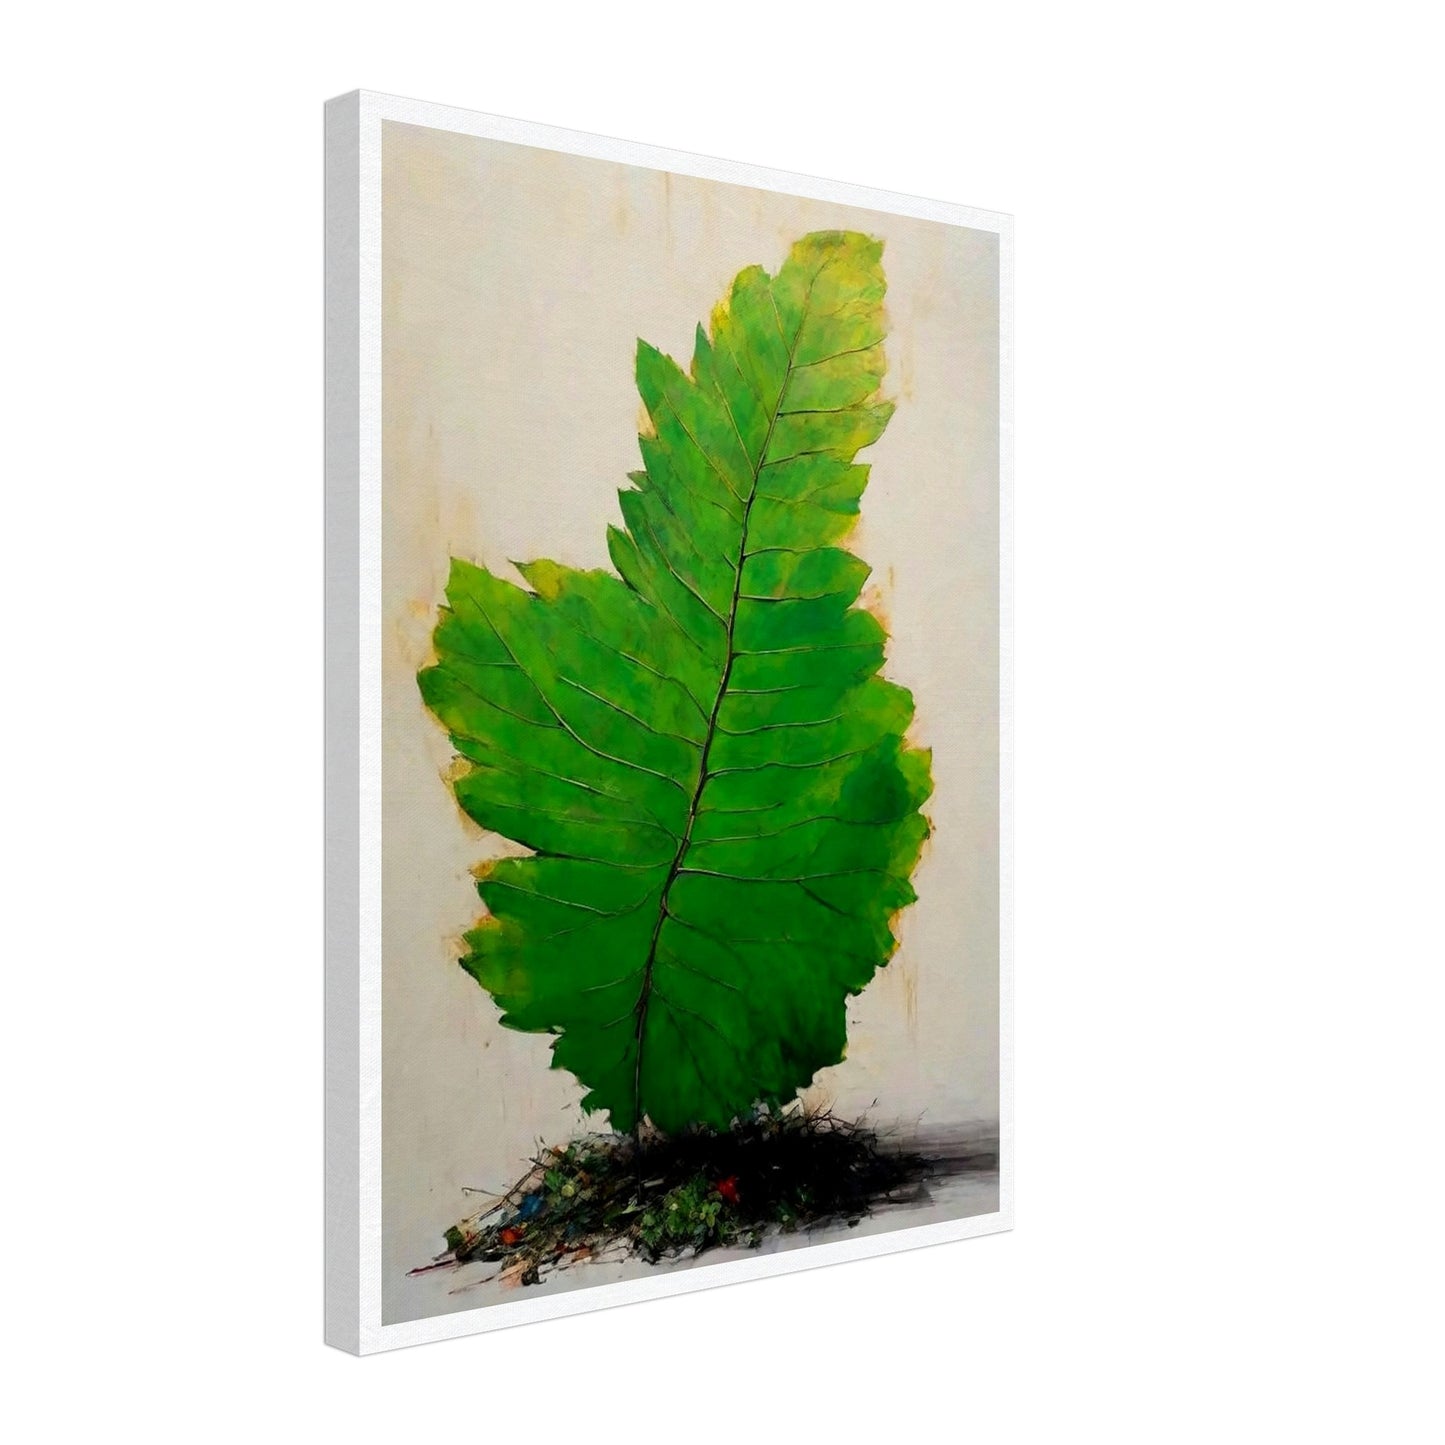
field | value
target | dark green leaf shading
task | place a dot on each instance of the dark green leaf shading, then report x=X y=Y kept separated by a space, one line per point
x=700 y=751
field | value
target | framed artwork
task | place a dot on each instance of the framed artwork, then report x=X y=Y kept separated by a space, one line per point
x=668 y=722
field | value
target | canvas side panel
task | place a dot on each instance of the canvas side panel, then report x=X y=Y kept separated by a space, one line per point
x=343 y=439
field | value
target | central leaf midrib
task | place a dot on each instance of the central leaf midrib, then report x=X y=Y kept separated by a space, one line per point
x=712 y=728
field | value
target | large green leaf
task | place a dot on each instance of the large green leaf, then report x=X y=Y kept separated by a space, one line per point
x=713 y=777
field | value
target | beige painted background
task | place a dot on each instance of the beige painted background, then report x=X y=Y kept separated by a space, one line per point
x=515 y=285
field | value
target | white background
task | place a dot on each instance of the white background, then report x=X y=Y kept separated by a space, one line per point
x=1230 y=721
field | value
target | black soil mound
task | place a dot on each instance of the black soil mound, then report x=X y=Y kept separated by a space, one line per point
x=613 y=1195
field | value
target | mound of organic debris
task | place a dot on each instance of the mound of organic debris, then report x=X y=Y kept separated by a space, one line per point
x=615 y=1195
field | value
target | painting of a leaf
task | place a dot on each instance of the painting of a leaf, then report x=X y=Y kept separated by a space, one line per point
x=700 y=751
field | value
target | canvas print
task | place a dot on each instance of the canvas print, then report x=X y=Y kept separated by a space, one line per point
x=689 y=724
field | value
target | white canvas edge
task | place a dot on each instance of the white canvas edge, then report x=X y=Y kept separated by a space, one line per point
x=353 y=722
